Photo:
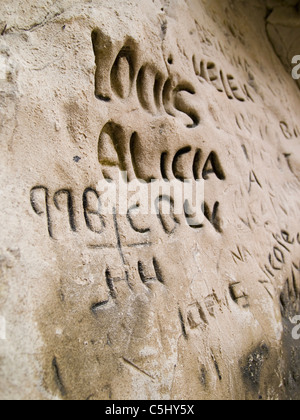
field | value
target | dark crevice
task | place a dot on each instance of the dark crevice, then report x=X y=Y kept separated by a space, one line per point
x=182 y=324
x=58 y=378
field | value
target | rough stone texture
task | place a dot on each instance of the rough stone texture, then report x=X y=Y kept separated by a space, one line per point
x=183 y=88
x=283 y=28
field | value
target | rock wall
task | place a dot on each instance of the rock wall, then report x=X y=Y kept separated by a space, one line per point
x=131 y=306
x=283 y=29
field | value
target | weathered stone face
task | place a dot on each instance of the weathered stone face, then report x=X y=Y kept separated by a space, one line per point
x=129 y=306
x=283 y=29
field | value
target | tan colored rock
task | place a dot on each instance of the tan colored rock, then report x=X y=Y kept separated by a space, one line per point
x=147 y=306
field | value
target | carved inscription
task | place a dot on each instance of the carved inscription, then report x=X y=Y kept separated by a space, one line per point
x=63 y=200
x=41 y=208
x=199 y=314
x=224 y=83
x=123 y=76
x=148 y=275
x=238 y=295
x=196 y=316
x=288 y=131
x=122 y=73
x=280 y=260
x=64 y=206
x=93 y=219
x=112 y=154
x=127 y=75
x=284 y=242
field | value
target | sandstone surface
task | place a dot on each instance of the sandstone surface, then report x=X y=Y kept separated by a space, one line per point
x=149 y=306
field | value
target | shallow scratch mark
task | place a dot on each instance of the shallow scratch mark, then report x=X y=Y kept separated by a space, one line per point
x=4 y=30
x=137 y=367
x=37 y=25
